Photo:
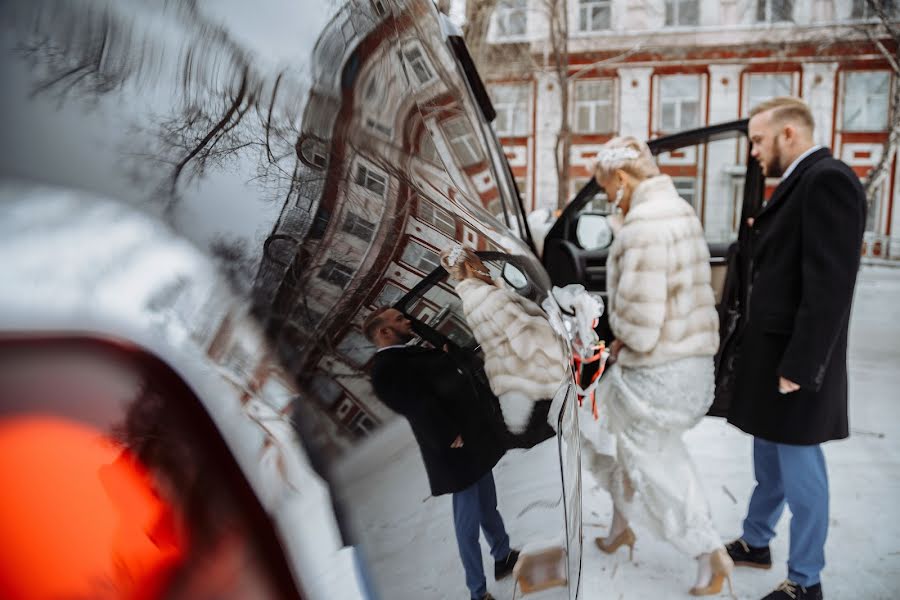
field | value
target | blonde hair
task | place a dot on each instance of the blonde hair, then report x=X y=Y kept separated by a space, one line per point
x=454 y=260
x=628 y=154
x=785 y=109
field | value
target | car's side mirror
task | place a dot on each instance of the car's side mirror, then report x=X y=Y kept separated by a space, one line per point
x=593 y=231
x=514 y=277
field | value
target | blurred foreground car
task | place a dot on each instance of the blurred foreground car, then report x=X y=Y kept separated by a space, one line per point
x=200 y=203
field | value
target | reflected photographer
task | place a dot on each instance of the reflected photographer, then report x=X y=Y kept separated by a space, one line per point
x=458 y=444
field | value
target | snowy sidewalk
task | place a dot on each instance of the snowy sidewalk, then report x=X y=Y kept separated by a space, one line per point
x=863 y=549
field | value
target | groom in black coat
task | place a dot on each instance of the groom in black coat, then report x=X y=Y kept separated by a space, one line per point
x=454 y=431
x=791 y=376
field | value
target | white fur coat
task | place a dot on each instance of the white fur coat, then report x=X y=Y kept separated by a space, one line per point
x=661 y=302
x=523 y=357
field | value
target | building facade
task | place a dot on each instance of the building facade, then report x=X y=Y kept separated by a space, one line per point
x=660 y=66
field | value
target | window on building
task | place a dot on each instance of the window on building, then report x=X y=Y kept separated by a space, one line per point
x=765 y=86
x=427 y=149
x=356 y=348
x=418 y=63
x=687 y=189
x=336 y=273
x=511 y=103
x=682 y=12
x=325 y=389
x=379 y=127
x=462 y=140
x=419 y=257
x=389 y=295
x=361 y=425
x=371 y=179
x=380 y=8
x=511 y=18
x=320 y=224
x=679 y=100
x=437 y=218
x=313 y=153
x=594 y=106
x=359 y=227
x=594 y=15
x=353 y=417
x=774 y=11
x=866 y=100
x=308 y=316
x=863 y=10
x=454 y=329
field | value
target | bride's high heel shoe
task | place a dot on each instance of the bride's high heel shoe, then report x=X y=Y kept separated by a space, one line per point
x=626 y=538
x=721 y=567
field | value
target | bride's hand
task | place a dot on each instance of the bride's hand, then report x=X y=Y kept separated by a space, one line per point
x=614 y=350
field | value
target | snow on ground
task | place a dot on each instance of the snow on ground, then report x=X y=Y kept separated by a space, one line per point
x=406 y=535
x=863 y=548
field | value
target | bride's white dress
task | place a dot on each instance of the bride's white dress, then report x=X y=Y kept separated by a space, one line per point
x=637 y=453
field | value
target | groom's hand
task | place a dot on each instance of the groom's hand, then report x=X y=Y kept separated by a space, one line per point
x=457 y=443
x=786 y=386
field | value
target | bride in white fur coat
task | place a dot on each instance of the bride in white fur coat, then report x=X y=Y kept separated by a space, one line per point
x=662 y=313
x=523 y=358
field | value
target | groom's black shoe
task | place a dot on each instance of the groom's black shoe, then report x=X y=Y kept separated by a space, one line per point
x=504 y=567
x=788 y=590
x=745 y=555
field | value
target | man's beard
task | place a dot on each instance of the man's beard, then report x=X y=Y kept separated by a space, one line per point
x=774 y=168
x=402 y=337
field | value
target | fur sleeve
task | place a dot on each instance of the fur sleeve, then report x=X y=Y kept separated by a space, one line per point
x=639 y=303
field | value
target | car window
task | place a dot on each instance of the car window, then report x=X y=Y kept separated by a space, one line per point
x=710 y=177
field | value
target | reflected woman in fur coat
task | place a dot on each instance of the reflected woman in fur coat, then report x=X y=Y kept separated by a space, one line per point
x=662 y=312
x=524 y=359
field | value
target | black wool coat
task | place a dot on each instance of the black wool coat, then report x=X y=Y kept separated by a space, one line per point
x=804 y=257
x=440 y=402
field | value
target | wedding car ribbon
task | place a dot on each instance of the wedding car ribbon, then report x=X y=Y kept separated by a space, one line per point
x=590 y=391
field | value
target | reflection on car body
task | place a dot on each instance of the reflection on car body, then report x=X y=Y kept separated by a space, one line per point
x=322 y=154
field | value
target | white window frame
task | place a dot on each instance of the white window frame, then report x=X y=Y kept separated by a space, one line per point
x=464 y=143
x=585 y=23
x=593 y=105
x=860 y=10
x=331 y=267
x=387 y=296
x=417 y=62
x=513 y=109
x=380 y=128
x=749 y=101
x=845 y=105
x=356 y=348
x=358 y=226
x=679 y=101
x=371 y=179
x=694 y=200
x=676 y=13
x=437 y=217
x=425 y=260
x=503 y=16
x=428 y=149
x=769 y=11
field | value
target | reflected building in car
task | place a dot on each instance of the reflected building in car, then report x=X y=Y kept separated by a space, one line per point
x=390 y=173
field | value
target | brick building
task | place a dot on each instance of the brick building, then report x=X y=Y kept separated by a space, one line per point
x=661 y=66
